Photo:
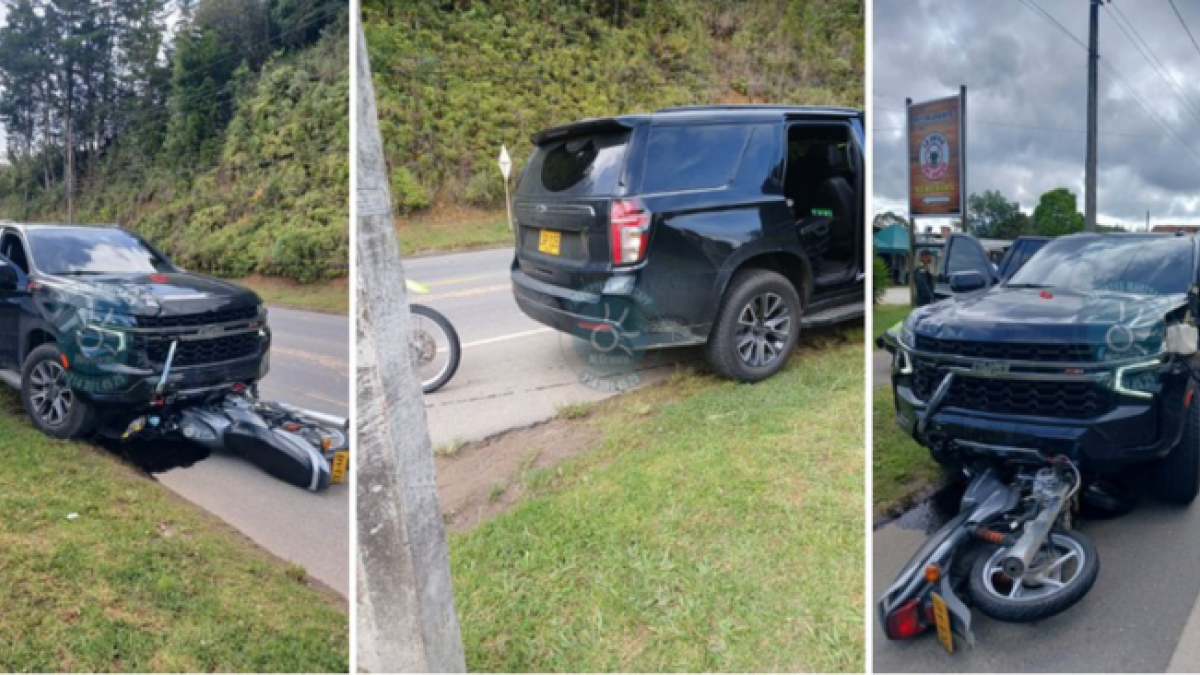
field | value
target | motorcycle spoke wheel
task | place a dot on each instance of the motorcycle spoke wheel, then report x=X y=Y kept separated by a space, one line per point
x=431 y=348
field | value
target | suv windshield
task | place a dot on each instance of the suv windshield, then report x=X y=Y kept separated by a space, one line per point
x=93 y=251
x=1142 y=265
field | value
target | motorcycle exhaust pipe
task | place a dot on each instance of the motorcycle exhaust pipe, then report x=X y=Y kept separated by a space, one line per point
x=316 y=417
x=1021 y=555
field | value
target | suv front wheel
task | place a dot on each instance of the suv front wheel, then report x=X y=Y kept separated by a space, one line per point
x=1176 y=477
x=48 y=398
x=757 y=326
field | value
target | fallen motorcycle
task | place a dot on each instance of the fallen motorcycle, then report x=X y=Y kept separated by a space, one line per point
x=434 y=342
x=301 y=447
x=1012 y=550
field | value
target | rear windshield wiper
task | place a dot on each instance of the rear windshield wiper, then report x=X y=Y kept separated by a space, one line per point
x=1027 y=286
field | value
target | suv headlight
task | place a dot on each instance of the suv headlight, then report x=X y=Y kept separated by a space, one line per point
x=1140 y=380
x=105 y=318
x=908 y=337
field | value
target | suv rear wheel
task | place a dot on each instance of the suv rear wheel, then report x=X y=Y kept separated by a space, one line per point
x=1176 y=477
x=757 y=326
x=54 y=408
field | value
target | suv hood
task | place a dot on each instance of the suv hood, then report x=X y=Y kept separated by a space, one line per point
x=167 y=294
x=1036 y=316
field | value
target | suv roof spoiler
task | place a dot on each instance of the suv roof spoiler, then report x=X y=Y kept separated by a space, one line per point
x=589 y=126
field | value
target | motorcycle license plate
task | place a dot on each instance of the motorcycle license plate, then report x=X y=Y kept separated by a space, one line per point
x=941 y=617
x=550 y=241
x=337 y=469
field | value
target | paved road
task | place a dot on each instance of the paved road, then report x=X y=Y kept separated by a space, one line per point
x=1142 y=615
x=514 y=372
x=310 y=367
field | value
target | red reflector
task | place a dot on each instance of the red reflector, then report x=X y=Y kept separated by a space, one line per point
x=1187 y=400
x=905 y=621
x=239 y=387
x=159 y=278
x=32 y=286
x=1046 y=295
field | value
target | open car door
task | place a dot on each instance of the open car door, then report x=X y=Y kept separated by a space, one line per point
x=964 y=255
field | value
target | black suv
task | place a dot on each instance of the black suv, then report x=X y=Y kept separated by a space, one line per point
x=98 y=327
x=731 y=226
x=1086 y=351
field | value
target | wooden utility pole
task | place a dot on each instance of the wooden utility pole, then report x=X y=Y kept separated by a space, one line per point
x=1089 y=199
x=406 y=617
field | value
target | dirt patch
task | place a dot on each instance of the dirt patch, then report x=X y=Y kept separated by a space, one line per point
x=485 y=478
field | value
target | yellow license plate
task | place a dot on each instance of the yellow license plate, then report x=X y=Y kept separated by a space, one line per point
x=337 y=470
x=942 y=617
x=550 y=241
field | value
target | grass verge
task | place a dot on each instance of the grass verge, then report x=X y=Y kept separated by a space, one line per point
x=138 y=580
x=901 y=469
x=717 y=527
x=331 y=297
x=453 y=230
x=886 y=316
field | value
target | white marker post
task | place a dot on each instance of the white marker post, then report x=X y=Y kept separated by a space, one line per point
x=505 y=170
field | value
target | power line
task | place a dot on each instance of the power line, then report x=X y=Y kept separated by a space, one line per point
x=1185 y=26
x=1148 y=54
x=1033 y=6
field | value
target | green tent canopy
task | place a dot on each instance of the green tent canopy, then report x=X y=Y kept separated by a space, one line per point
x=892 y=239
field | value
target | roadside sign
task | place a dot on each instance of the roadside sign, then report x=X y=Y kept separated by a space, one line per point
x=936 y=140
x=505 y=162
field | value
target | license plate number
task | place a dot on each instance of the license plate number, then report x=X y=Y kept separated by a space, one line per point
x=550 y=241
x=337 y=470
x=941 y=616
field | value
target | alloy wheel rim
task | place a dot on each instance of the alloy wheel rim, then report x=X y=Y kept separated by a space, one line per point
x=1049 y=575
x=52 y=399
x=764 y=326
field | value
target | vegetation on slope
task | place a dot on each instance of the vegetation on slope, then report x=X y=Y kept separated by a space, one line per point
x=455 y=80
x=226 y=142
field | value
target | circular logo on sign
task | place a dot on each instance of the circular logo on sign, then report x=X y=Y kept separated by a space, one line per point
x=935 y=152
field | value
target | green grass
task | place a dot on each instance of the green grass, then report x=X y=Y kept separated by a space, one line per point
x=140 y=580
x=332 y=297
x=718 y=527
x=900 y=467
x=437 y=235
x=574 y=411
x=886 y=316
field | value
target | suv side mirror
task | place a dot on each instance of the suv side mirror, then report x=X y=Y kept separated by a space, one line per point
x=967 y=282
x=8 y=277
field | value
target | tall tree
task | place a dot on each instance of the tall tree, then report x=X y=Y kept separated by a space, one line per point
x=989 y=212
x=1057 y=213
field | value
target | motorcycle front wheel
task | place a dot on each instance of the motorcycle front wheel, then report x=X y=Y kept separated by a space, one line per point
x=1061 y=574
x=435 y=346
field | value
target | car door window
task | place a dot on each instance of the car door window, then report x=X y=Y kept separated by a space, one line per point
x=965 y=255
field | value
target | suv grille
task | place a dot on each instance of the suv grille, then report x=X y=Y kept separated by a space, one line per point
x=200 y=352
x=1075 y=400
x=1008 y=350
x=204 y=319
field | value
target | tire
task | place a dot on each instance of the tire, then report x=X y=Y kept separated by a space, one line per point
x=1176 y=477
x=42 y=378
x=990 y=600
x=438 y=379
x=743 y=352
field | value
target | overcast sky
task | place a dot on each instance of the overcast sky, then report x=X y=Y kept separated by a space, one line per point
x=1022 y=72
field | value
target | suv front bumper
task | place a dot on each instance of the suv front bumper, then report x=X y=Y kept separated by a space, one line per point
x=1133 y=431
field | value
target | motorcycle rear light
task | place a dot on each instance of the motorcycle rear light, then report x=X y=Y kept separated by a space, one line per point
x=628 y=231
x=904 y=622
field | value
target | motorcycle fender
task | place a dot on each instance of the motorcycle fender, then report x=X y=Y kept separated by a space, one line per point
x=281 y=454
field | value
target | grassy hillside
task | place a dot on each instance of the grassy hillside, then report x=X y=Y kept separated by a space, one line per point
x=274 y=200
x=455 y=80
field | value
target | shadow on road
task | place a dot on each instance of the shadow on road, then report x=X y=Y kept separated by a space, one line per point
x=157 y=456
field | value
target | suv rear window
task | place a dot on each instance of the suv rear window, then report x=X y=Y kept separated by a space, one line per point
x=693 y=157
x=577 y=166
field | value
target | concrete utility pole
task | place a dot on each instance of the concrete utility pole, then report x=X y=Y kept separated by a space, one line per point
x=406 y=616
x=1089 y=198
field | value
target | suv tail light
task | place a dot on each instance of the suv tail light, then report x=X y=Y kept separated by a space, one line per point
x=905 y=621
x=628 y=231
